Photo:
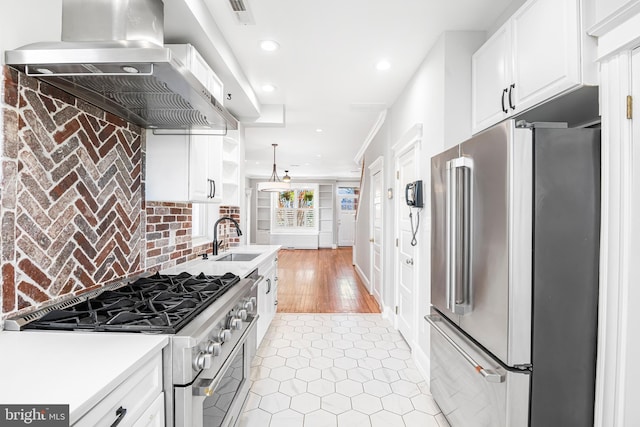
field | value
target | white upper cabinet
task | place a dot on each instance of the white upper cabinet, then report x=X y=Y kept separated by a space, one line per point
x=184 y=168
x=205 y=174
x=546 y=50
x=540 y=52
x=490 y=79
x=191 y=59
x=189 y=168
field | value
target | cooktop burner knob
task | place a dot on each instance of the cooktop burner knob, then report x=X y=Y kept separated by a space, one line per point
x=223 y=335
x=214 y=348
x=241 y=314
x=248 y=306
x=236 y=324
x=202 y=361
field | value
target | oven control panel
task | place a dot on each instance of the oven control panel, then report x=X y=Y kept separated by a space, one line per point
x=225 y=335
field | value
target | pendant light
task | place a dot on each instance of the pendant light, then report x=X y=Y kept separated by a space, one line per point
x=274 y=183
x=286 y=177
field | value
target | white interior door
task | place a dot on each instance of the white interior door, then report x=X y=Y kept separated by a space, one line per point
x=405 y=267
x=376 y=222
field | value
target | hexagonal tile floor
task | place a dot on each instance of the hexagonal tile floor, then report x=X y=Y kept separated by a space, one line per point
x=335 y=370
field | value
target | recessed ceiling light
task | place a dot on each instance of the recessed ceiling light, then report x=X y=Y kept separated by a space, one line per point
x=319 y=130
x=269 y=45
x=268 y=87
x=383 y=65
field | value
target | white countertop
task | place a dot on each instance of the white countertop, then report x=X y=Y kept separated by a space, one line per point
x=74 y=368
x=212 y=267
x=81 y=368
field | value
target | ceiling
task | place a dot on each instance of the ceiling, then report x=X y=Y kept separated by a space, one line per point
x=325 y=70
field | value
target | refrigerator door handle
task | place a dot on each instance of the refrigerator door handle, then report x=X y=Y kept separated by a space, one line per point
x=458 y=224
x=488 y=374
x=451 y=238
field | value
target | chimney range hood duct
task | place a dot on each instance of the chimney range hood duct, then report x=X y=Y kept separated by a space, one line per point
x=112 y=55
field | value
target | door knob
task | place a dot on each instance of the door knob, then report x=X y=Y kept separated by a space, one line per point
x=371 y=240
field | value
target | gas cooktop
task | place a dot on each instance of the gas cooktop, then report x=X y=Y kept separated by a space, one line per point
x=154 y=304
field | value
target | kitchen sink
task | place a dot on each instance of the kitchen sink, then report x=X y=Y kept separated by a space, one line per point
x=236 y=256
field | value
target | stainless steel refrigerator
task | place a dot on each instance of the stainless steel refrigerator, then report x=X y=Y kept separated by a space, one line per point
x=515 y=214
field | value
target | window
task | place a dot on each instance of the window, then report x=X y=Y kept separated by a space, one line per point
x=348 y=198
x=295 y=209
x=202 y=217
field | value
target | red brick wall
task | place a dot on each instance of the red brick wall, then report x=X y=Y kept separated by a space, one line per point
x=72 y=210
x=226 y=230
x=72 y=193
x=168 y=234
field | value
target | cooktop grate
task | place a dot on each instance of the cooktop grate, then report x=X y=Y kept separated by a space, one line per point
x=154 y=304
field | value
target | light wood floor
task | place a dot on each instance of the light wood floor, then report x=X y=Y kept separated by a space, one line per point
x=321 y=281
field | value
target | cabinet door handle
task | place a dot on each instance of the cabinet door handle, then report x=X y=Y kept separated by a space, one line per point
x=213 y=193
x=511 y=88
x=268 y=286
x=504 y=109
x=120 y=412
x=209 y=193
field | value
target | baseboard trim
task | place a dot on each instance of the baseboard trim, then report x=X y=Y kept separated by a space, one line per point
x=362 y=276
x=388 y=314
x=423 y=364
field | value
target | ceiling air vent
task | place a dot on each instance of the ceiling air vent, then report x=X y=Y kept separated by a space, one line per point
x=241 y=12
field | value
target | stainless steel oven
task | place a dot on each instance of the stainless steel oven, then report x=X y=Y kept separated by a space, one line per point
x=211 y=325
x=216 y=397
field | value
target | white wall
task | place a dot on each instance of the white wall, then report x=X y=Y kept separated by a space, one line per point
x=20 y=25
x=438 y=96
x=29 y=21
x=605 y=8
x=362 y=245
x=506 y=14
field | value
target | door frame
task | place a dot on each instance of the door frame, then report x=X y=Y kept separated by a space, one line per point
x=377 y=166
x=411 y=140
x=618 y=348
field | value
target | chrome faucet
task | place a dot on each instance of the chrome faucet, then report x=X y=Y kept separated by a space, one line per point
x=215 y=232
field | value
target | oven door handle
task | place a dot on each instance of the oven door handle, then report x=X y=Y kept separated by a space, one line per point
x=260 y=279
x=207 y=387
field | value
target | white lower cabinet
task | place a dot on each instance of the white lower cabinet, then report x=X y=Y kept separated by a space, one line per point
x=267 y=296
x=154 y=415
x=137 y=401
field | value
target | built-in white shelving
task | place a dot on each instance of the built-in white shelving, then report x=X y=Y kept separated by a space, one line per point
x=326 y=203
x=230 y=169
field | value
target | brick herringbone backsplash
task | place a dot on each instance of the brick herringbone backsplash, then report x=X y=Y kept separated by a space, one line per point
x=168 y=234
x=72 y=210
x=72 y=195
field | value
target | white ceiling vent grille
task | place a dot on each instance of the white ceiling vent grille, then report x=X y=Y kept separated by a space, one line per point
x=241 y=11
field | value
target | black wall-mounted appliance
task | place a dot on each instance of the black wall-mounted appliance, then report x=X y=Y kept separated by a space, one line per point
x=413 y=194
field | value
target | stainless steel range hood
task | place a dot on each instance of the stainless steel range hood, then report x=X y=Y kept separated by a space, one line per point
x=112 y=55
